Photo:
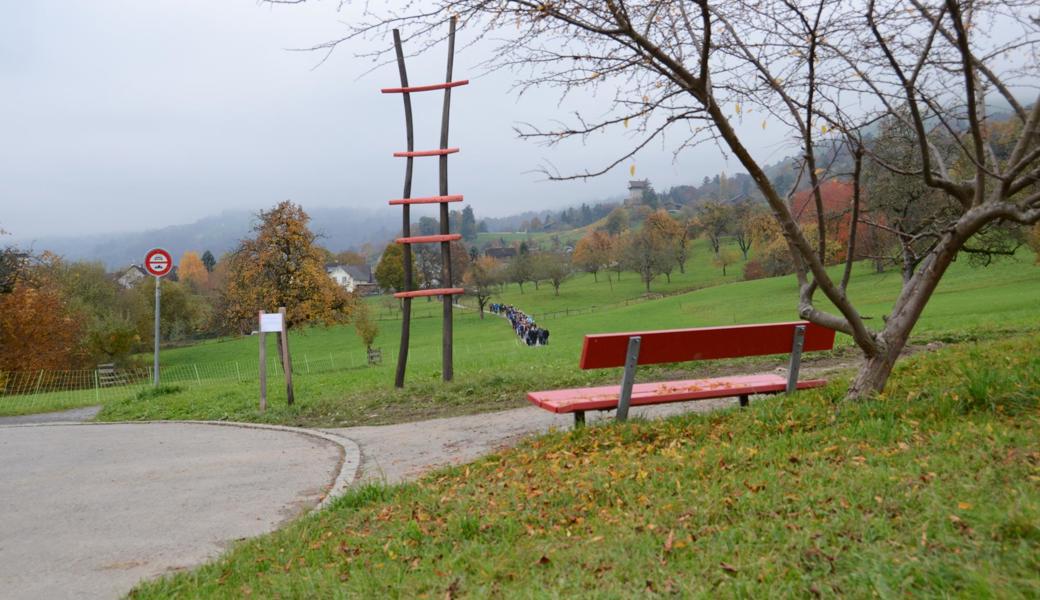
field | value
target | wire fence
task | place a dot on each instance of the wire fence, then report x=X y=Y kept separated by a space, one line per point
x=24 y=391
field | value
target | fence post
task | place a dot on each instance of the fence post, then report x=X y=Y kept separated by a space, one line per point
x=238 y=373
x=97 y=387
x=332 y=365
x=307 y=363
x=39 y=380
x=197 y=378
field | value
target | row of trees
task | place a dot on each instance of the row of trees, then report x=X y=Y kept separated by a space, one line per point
x=56 y=314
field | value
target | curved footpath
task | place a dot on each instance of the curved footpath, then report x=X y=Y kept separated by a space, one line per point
x=91 y=509
x=88 y=510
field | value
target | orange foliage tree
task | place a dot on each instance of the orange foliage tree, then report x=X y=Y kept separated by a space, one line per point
x=593 y=252
x=193 y=271
x=38 y=328
x=282 y=266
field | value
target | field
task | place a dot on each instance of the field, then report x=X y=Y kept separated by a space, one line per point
x=217 y=379
x=932 y=490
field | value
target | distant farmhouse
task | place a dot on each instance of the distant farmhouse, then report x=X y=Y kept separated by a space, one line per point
x=130 y=276
x=353 y=278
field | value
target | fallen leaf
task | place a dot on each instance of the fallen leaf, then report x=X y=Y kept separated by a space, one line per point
x=728 y=567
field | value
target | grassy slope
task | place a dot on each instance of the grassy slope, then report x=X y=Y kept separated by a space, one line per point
x=931 y=490
x=493 y=371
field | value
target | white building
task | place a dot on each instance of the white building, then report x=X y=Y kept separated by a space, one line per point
x=130 y=276
x=352 y=277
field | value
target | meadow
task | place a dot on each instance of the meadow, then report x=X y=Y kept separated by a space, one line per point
x=334 y=387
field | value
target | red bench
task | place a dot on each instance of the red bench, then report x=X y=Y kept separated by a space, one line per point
x=628 y=350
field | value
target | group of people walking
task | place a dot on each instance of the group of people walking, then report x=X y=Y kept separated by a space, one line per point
x=523 y=325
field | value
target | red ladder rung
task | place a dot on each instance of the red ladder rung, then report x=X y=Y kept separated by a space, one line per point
x=425 y=88
x=427 y=200
x=430 y=239
x=438 y=152
x=430 y=292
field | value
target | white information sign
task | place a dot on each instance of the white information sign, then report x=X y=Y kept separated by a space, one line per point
x=271 y=322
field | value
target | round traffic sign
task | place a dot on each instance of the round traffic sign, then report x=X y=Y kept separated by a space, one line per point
x=158 y=262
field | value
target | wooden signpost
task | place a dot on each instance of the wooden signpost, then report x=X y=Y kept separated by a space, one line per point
x=274 y=323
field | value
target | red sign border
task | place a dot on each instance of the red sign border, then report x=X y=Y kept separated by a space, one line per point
x=148 y=255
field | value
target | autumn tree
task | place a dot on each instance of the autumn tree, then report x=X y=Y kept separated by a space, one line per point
x=825 y=72
x=670 y=233
x=281 y=266
x=646 y=253
x=744 y=214
x=183 y=313
x=714 y=219
x=725 y=258
x=364 y=325
x=192 y=271
x=592 y=253
x=520 y=269
x=12 y=262
x=459 y=263
x=481 y=278
x=556 y=268
x=39 y=326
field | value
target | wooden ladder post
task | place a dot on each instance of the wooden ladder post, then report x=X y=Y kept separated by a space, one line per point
x=796 y=358
x=629 y=378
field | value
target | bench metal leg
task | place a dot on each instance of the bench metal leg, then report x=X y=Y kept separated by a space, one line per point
x=796 y=358
x=579 y=419
x=744 y=400
x=631 y=359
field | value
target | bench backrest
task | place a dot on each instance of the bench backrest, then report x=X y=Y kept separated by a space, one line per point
x=605 y=350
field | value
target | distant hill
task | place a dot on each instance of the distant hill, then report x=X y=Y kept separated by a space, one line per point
x=339 y=228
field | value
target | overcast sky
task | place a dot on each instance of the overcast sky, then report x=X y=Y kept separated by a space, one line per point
x=122 y=115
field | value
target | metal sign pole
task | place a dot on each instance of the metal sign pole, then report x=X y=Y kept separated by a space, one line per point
x=158 y=295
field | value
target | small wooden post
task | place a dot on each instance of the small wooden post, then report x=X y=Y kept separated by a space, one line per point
x=286 y=359
x=263 y=366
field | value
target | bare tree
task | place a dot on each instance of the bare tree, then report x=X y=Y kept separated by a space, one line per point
x=824 y=70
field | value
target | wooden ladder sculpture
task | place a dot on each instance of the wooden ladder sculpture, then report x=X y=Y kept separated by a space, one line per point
x=445 y=237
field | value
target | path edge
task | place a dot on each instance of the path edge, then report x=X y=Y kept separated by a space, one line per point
x=346 y=470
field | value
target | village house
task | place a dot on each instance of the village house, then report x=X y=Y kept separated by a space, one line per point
x=353 y=278
x=130 y=276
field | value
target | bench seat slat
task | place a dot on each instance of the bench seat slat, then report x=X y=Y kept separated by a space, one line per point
x=606 y=397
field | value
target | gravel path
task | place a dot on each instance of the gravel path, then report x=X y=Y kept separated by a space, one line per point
x=401 y=452
x=89 y=510
x=76 y=415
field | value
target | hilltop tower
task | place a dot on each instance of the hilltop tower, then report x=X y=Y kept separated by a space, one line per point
x=636 y=189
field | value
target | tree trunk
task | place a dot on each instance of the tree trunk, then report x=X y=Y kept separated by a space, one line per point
x=873 y=374
x=595 y=276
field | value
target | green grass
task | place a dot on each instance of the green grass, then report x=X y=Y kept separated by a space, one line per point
x=493 y=371
x=931 y=490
